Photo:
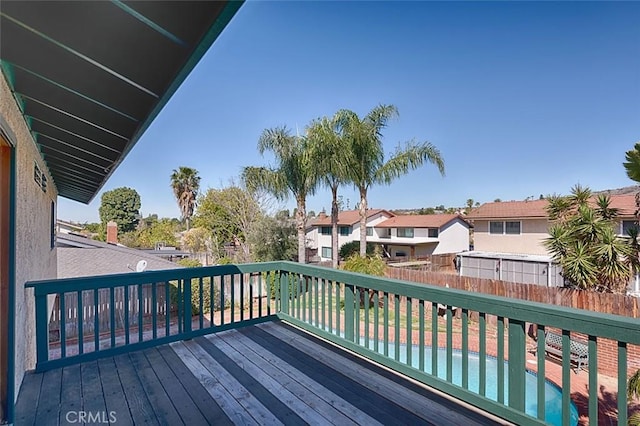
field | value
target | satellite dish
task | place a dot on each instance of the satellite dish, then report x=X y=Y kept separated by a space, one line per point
x=141 y=266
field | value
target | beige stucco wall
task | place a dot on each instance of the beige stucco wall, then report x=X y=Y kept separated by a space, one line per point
x=530 y=240
x=34 y=257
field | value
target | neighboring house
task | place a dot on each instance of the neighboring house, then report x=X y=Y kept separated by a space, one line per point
x=509 y=241
x=416 y=236
x=520 y=227
x=408 y=236
x=80 y=256
x=319 y=233
x=510 y=227
x=64 y=227
x=75 y=97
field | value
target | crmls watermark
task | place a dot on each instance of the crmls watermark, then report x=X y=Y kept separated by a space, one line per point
x=89 y=417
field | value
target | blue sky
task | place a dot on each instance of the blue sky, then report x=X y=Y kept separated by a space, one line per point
x=521 y=98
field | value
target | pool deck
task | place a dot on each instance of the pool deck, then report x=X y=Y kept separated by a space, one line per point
x=270 y=373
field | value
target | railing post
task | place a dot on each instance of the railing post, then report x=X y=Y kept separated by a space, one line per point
x=284 y=292
x=42 y=329
x=188 y=314
x=517 y=364
x=349 y=302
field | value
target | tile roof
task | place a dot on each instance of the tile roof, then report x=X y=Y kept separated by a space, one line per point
x=510 y=209
x=348 y=217
x=536 y=208
x=419 y=221
x=81 y=257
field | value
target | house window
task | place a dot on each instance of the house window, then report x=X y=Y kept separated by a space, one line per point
x=512 y=228
x=628 y=225
x=345 y=230
x=326 y=253
x=506 y=227
x=369 y=231
x=401 y=254
x=405 y=232
x=325 y=230
x=496 y=227
x=433 y=233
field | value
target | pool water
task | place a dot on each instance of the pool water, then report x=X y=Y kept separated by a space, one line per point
x=553 y=394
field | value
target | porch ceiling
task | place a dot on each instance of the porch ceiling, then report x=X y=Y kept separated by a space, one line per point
x=90 y=77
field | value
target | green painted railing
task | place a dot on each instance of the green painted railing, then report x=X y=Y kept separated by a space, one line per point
x=392 y=322
x=110 y=314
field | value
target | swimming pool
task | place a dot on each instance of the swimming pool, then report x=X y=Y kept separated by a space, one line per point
x=553 y=394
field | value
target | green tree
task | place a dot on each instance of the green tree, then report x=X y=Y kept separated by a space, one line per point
x=232 y=215
x=366 y=156
x=122 y=205
x=185 y=183
x=584 y=242
x=328 y=148
x=275 y=239
x=293 y=174
x=162 y=231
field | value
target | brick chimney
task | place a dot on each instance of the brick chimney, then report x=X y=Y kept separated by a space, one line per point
x=112 y=232
x=322 y=215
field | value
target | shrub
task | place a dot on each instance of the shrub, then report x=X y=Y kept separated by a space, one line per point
x=195 y=296
x=353 y=247
x=371 y=265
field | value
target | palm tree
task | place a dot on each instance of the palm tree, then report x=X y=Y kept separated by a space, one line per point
x=328 y=150
x=293 y=174
x=367 y=161
x=185 y=183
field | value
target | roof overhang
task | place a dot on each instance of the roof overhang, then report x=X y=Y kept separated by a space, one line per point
x=91 y=76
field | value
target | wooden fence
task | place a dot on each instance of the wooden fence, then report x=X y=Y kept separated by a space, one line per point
x=618 y=304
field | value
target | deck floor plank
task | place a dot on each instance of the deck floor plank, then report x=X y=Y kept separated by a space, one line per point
x=142 y=412
x=92 y=394
x=199 y=395
x=179 y=397
x=242 y=395
x=432 y=410
x=360 y=396
x=28 y=399
x=279 y=403
x=71 y=394
x=48 y=410
x=307 y=414
x=270 y=373
x=163 y=406
x=219 y=393
x=114 y=397
x=334 y=409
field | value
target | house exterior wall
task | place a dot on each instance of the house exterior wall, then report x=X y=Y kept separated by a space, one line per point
x=320 y=241
x=453 y=238
x=530 y=240
x=34 y=257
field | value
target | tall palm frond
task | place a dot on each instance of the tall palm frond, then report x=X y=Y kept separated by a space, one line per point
x=367 y=164
x=293 y=174
x=185 y=183
x=329 y=151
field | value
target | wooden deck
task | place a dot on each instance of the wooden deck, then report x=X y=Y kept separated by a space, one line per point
x=268 y=374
